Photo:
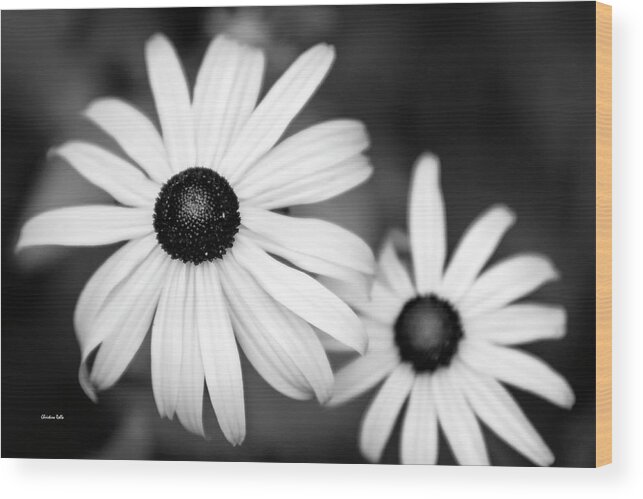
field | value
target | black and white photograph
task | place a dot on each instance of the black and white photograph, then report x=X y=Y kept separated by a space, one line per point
x=356 y=234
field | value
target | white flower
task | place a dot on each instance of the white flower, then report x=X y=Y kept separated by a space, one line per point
x=198 y=267
x=441 y=340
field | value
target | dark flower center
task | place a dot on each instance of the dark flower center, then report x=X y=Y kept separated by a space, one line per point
x=427 y=332
x=196 y=216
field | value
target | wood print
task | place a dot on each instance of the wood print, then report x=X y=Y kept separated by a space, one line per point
x=337 y=234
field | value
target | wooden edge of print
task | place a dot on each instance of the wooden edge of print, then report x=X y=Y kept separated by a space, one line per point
x=603 y=234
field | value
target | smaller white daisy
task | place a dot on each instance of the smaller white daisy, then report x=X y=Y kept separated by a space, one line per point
x=442 y=341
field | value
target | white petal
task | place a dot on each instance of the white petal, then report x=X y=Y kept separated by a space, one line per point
x=122 y=180
x=281 y=346
x=380 y=337
x=391 y=270
x=219 y=353
x=125 y=319
x=172 y=99
x=519 y=369
x=352 y=292
x=303 y=156
x=384 y=305
x=110 y=275
x=189 y=407
x=302 y=294
x=362 y=374
x=323 y=185
x=427 y=224
x=331 y=345
x=381 y=415
x=517 y=324
x=476 y=247
x=90 y=225
x=376 y=302
x=401 y=241
x=167 y=340
x=225 y=93
x=497 y=409
x=506 y=282
x=313 y=245
x=135 y=133
x=458 y=421
x=275 y=112
x=419 y=441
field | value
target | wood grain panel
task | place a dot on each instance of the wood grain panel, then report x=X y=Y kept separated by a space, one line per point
x=603 y=234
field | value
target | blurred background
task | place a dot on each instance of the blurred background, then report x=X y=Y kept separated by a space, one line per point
x=503 y=93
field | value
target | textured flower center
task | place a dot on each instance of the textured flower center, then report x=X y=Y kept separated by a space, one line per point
x=196 y=216
x=427 y=332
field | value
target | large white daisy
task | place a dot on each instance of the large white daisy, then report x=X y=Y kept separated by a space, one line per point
x=200 y=266
x=442 y=339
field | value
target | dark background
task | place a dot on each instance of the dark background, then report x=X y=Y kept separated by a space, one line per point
x=503 y=93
